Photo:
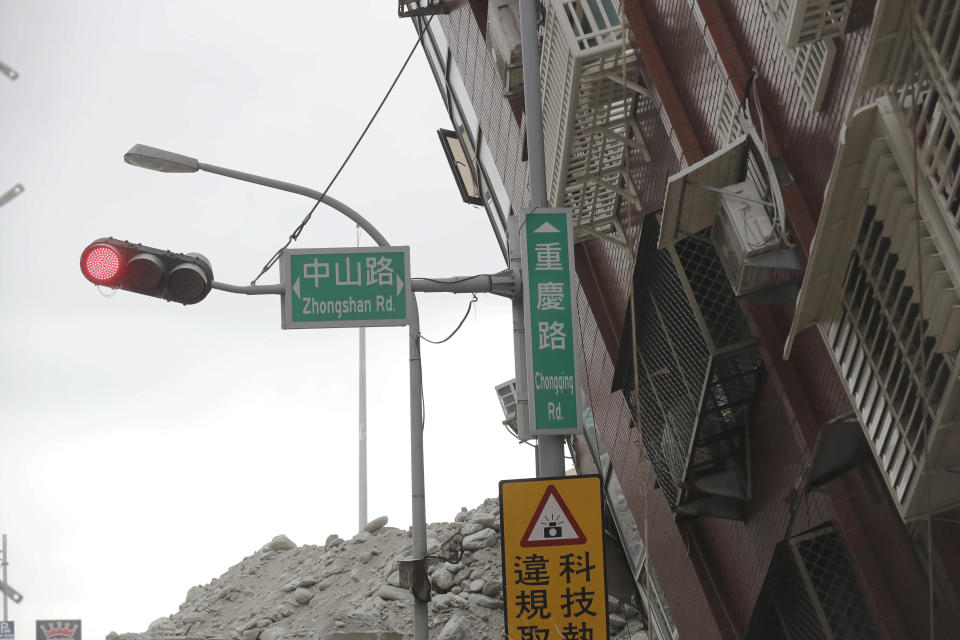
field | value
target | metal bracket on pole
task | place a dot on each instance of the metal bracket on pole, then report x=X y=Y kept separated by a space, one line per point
x=9 y=71
x=11 y=193
x=10 y=592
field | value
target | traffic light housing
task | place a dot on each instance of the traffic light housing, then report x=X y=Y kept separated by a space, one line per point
x=178 y=277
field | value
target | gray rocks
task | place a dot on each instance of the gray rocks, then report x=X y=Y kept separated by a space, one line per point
x=458 y=627
x=273 y=633
x=484 y=519
x=480 y=540
x=390 y=592
x=349 y=590
x=480 y=600
x=376 y=523
x=279 y=543
x=442 y=579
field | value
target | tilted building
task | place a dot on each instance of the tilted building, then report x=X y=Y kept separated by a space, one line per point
x=766 y=204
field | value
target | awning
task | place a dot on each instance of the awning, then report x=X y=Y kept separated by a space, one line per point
x=687 y=206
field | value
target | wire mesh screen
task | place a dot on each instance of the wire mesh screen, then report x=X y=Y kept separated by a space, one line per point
x=810 y=593
x=836 y=588
x=722 y=440
x=672 y=361
x=712 y=291
x=697 y=371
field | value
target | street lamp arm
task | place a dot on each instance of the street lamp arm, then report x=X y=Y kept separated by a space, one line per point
x=250 y=290
x=299 y=190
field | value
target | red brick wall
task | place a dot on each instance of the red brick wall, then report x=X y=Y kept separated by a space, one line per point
x=711 y=570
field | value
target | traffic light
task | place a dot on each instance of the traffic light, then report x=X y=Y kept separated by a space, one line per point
x=178 y=277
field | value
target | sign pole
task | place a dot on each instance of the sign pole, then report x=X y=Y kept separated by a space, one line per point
x=549 y=447
x=5 y=576
x=363 y=428
x=363 y=420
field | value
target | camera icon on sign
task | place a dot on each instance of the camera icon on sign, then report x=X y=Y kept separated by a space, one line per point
x=553 y=526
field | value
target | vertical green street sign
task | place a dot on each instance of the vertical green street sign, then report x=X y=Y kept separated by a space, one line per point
x=345 y=287
x=552 y=323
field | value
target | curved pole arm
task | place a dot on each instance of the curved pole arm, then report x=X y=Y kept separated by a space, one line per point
x=299 y=190
x=250 y=290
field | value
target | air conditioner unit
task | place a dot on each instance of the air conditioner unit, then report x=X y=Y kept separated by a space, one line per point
x=743 y=234
x=507 y=395
x=503 y=38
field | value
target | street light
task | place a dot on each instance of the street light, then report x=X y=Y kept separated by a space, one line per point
x=168 y=162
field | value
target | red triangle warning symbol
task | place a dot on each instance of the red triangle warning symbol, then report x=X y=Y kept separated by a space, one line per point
x=552 y=523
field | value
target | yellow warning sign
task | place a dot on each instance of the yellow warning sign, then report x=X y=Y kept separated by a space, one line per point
x=552 y=551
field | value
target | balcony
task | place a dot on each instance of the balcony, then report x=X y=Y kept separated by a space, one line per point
x=592 y=90
x=692 y=377
x=882 y=285
x=884 y=272
x=810 y=591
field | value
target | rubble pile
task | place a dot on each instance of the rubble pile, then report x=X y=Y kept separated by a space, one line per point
x=349 y=590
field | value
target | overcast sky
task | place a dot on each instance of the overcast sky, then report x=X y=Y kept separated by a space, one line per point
x=145 y=447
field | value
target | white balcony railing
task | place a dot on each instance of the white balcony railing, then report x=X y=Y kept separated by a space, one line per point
x=800 y=22
x=589 y=77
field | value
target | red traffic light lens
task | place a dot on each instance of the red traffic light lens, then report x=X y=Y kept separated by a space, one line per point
x=101 y=264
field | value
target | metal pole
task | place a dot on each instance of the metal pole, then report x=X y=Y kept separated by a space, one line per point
x=4 y=576
x=420 y=622
x=549 y=448
x=363 y=421
x=363 y=427
x=419 y=524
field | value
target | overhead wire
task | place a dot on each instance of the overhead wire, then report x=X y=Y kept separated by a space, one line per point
x=462 y=320
x=303 y=223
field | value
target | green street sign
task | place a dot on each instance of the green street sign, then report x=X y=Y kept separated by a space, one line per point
x=345 y=287
x=552 y=328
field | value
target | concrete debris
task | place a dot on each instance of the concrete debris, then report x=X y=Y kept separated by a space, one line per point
x=349 y=590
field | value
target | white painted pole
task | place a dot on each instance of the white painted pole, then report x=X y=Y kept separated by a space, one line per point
x=5 y=576
x=363 y=421
x=363 y=428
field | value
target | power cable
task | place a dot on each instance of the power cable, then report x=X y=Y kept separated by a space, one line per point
x=462 y=320
x=296 y=232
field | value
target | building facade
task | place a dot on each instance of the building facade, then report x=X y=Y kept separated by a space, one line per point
x=766 y=205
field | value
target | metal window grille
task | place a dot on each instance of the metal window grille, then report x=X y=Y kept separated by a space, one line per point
x=698 y=371
x=811 y=593
x=897 y=353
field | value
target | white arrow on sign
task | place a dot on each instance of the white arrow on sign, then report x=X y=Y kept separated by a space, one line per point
x=296 y=287
x=399 y=285
x=546 y=227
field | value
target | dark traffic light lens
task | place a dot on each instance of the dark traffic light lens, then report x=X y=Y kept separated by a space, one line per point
x=101 y=264
x=144 y=273
x=187 y=283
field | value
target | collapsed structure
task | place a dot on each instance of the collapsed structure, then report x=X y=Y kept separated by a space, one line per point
x=765 y=198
